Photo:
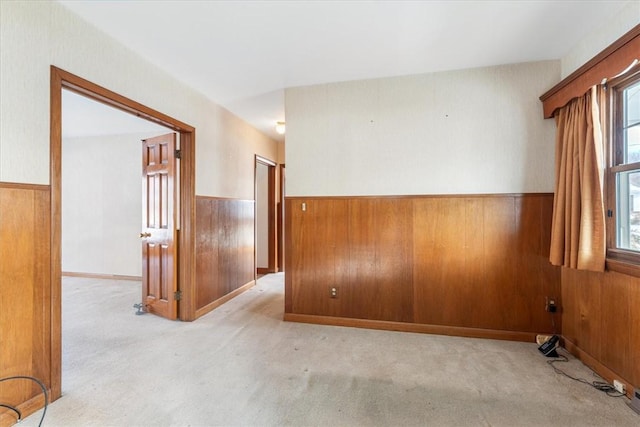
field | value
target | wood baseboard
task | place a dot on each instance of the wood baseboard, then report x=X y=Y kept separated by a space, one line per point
x=9 y=418
x=263 y=270
x=597 y=366
x=217 y=303
x=101 y=276
x=412 y=327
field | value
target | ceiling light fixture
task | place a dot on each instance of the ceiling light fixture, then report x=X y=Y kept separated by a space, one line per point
x=280 y=128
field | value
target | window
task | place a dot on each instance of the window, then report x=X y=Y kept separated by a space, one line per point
x=624 y=173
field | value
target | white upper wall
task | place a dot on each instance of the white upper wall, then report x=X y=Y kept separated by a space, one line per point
x=35 y=35
x=102 y=204
x=460 y=132
x=601 y=37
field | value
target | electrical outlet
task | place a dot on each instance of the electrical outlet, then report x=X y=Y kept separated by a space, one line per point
x=550 y=304
x=618 y=386
x=333 y=292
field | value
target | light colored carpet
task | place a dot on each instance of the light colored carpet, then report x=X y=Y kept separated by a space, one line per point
x=242 y=365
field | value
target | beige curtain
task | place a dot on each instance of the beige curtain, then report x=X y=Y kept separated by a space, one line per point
x=578 y=225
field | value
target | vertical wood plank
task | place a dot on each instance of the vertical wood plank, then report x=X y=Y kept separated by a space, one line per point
x=42 y=287
x=550 y=276
x=362 y=257
x=292 y=228
x=634 y=333
x=206 y=257
x=588 y=292
x=325 y=247
x=614 y=321
x=473 y=270
x=499 y=278
x=570 y=313
x=393 y=228
x=332 y=252
x=439 y=241
x=426 y=259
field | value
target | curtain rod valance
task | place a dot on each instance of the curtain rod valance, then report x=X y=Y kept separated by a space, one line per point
x=611 y=61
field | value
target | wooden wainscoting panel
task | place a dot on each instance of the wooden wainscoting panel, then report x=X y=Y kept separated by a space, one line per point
x=472 y=272
x=296 y=241
x=634 y=332
x=615 y=322
x=17 y=310
x=326 y=247
x=526 y=294
x=601 y=322
x=331 y=228
x=361 y=241
x=25 y=286
x=380 y=256
x=550 y=275
x=42 y=287
x=224 y=248
x=569 y=312
x=206 y=253
x=535 y=279
x=392 y=298
x=589 y=293
x=441 y=283
x=498 y=305
x=460 y=261
x=225 y=233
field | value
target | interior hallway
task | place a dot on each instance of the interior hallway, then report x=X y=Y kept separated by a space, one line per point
x=242 y=365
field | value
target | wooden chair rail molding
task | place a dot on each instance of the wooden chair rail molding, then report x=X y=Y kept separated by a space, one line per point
x=608 y=63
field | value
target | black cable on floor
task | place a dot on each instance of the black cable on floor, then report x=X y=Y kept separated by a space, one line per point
x=598 y=385
x=14 y=409
x=44 y=391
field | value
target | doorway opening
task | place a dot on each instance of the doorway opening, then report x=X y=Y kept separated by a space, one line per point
x=101 y=194
x=265 y=214
x=185 y=274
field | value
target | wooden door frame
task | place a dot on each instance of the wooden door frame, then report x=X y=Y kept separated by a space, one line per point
x=186 y=236
x=280 y=225
x=271 y=201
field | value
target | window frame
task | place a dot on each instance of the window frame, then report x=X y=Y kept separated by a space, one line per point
x=617 y=259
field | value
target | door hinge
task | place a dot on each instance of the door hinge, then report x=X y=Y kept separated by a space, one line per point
x=177 y=295
x=178 y=154
x=609 y=213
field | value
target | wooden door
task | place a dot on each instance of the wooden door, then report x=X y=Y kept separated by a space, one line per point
x=158 y=235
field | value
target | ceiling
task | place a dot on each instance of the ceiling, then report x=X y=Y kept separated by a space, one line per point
x=243 y=54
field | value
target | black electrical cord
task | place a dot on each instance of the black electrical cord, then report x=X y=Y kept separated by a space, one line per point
x=598 y=385
x=44 y=391
x=14 y=409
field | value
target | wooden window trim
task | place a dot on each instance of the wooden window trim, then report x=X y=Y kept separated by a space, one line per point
x=617 y=259
x=611 y=61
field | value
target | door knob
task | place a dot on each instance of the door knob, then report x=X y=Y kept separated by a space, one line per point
x=143 y=235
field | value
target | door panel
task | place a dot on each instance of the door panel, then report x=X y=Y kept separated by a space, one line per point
x=159 y=251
